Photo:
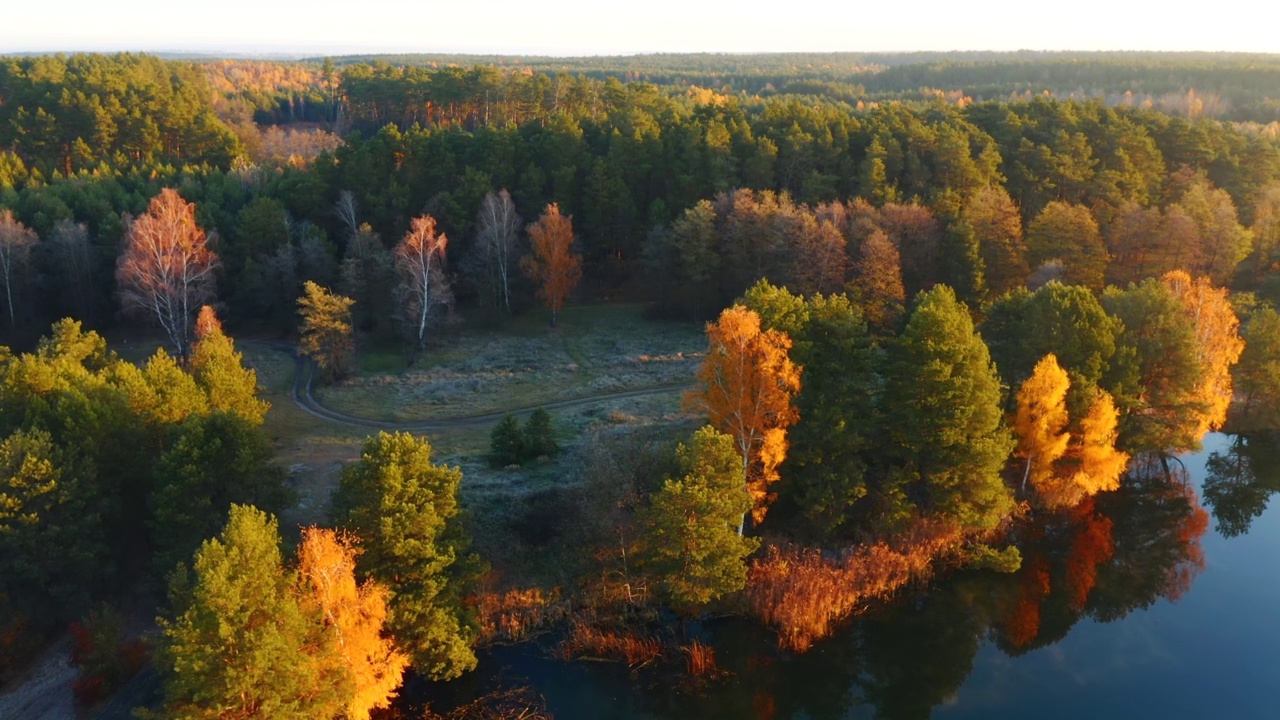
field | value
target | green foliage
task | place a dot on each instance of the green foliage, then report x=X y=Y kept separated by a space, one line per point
x=823 y=476
x=942 y=418
x=1257 y=376
x=1156 y=372
x=69 y=114
x=212 y=462
x=405 y=511
x=113 y=466
x=1068 y=234
x=692 y=544
x=239 y=643
x=53 y=555
x=985 y=557
x=1064 y=320
x=507 y=443
x=219 y=371
x=539 y=435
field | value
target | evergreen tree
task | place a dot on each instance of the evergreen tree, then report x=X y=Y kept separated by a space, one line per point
x=239 y=644
x=326 y=332
x=405 y=511
x=219 y=370
x=507 y=443
x=539 y=436
x=693 y=546
x=942 y=418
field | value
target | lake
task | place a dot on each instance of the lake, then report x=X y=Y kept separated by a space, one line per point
x=1159 y=600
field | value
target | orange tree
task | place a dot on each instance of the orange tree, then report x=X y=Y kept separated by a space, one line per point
x=552 y=265
x=746 y=385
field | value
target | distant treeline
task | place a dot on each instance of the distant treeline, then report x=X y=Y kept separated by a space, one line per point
x=623 y=159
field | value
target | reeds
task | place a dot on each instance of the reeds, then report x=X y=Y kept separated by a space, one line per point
x=588 y=641
x=803 y=593
x=516 y=614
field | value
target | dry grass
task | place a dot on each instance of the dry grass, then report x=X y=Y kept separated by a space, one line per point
x=804 y=593
x=515 y=615
x=586 y=641
x=700 y=660
x=594 y=351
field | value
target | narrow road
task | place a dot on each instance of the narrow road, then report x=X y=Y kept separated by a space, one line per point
x=304 y=374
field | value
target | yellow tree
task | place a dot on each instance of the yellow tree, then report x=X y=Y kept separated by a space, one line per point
x=746 y=386
x=1041 y=421
x=353 y=616
x=552 y=265
x=1100 y=463
x=1218 y=343
x=219 y=370
x=326 y=332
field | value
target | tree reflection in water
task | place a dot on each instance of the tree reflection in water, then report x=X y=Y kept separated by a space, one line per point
x=1112 y=554
x=1239 y=483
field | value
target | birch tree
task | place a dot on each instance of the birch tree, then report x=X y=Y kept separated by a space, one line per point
x=73 y=254
x=746 y=385
x=16 y=242
x=419 y=263
x=166 y=270
x=498 y=232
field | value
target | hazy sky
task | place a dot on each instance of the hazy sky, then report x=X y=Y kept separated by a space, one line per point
x=581 y=27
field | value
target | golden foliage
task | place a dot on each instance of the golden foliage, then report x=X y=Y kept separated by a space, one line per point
x=1100 y=463
x=587 y=640
x=552 y=265
x=1218 y=342
x=803 y=593
x=354 y=614
x=746 y=386
x=513 y=615
x=1041 y=419
x=1065 y=467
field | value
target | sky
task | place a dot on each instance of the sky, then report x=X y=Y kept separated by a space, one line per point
x=602 y=27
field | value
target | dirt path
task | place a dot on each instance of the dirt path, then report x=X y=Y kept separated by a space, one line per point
x=304 y=373
x=45 y=693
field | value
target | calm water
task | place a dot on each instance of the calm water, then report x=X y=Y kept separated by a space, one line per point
x=1161 y=600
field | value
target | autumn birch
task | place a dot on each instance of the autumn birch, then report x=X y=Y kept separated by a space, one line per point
x=166 y=269
x=746 y=386
x=419 y=261
x=552 y=265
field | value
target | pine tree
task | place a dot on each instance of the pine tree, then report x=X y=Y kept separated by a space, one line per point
x=326 y=335
x=539 y=436
x=239 y=643
x=405 y=511
x=219 y=370
x=693 y=546
x=942 y=417
x=507 y=443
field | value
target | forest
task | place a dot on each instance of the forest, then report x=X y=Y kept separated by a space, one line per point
x=949 y=301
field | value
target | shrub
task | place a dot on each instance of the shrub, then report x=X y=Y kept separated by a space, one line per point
x=539 y=437
x=507 y=443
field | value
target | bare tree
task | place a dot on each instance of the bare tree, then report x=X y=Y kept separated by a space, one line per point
x=165 y=272
x=345 y=209
x=73 y=255
x=420 y=264
x=16 y=242
x=499 y=230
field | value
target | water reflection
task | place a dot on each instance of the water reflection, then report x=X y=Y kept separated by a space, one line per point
x=1239 y=482
x=1115 y=554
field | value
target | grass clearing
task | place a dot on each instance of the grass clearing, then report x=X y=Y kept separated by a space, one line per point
x=595 y=350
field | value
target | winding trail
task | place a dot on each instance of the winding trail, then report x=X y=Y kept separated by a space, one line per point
x=304 y=374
